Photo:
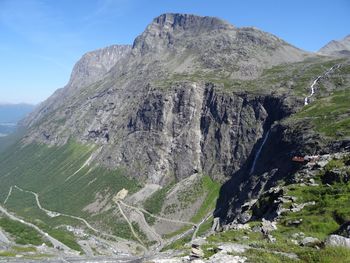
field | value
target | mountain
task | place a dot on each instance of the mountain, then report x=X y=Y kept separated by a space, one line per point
x=88 y=70
x=127 y=103
x=337 y=47
x=197 y=124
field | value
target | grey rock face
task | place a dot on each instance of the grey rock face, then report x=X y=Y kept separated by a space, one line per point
x=187 y=129
x=267 y=227
x=338 y=241
x=337 y=48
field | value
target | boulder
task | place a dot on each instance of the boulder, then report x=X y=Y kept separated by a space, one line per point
x=196 y=252
x=216 y=227
x=337 y=241
x=224 y=258
x=268 y=226
x=311 y=242
x=271 y=239
x=322 y=163
x=294 y=222
x=298 y=236
x=239 y=226
x=232 y=248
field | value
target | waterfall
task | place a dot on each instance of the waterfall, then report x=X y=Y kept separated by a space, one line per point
x=312 y=87
x=257 y=155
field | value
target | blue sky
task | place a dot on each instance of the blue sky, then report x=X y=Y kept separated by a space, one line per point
x=42 y=39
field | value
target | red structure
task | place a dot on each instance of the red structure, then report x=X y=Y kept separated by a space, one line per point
x=298 y=159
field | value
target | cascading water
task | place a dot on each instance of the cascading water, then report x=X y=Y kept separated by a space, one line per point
x=312 y=87
x=257 y=155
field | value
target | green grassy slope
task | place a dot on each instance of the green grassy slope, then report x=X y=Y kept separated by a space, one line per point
x=330 y=115
x=45 y=170
x=293 y=79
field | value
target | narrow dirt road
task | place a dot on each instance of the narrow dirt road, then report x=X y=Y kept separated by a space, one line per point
x=158 y=217
x=130 y=224
x=54 y=241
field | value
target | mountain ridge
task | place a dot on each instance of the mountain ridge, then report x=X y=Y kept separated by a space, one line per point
x=337 y=47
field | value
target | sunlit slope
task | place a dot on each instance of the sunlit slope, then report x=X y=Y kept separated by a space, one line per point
x=62 y=176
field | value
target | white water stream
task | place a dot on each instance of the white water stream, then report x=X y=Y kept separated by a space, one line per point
x=312 y=87
x=257 y=155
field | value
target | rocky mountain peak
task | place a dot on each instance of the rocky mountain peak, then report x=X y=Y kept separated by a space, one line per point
x=166 y=28
x=93 y=65
x=185 y=43
x=189 y=22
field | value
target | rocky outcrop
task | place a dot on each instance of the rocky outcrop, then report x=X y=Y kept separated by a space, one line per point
x=338 y=241
x=311 y=242
x=189 y=43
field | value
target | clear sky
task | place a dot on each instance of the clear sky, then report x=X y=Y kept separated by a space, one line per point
x=40 y=40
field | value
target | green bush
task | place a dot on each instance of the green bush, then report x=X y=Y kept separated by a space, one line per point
x=155 y=202
x=23 y=234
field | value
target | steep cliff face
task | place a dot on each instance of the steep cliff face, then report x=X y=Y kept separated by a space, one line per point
x=191 y=128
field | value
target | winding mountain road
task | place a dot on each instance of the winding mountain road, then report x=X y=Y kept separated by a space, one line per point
x=130 y=224
x=55 y=214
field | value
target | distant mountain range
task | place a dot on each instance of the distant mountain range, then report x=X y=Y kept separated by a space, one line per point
x=337 y=47
x=10 y=115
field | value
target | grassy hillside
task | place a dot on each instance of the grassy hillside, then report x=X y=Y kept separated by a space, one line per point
x=63 y=183
x=329 y=115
